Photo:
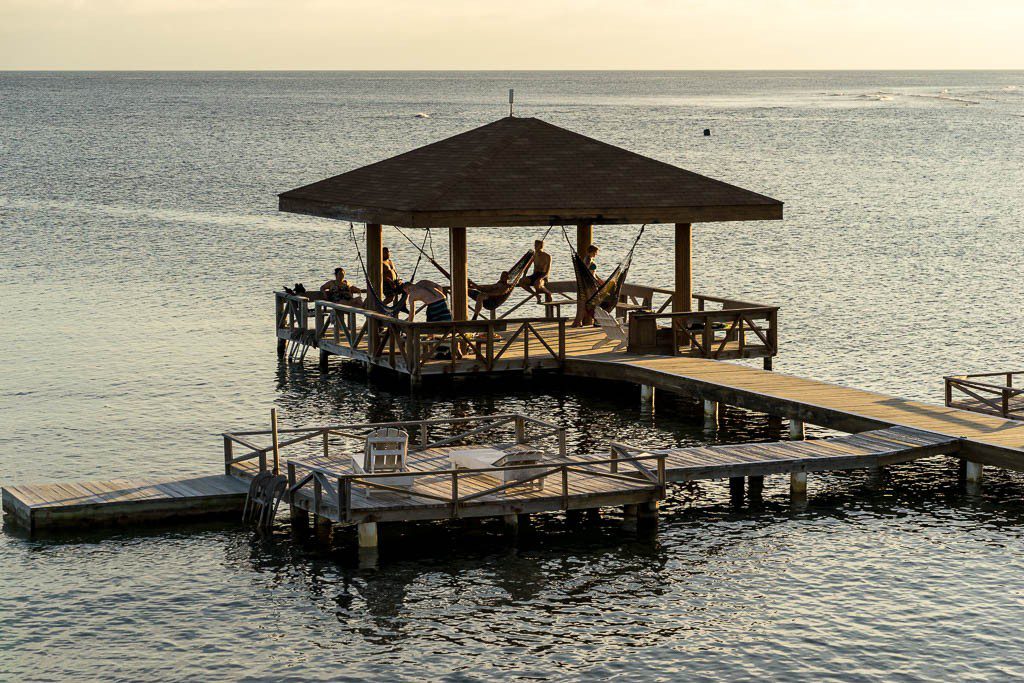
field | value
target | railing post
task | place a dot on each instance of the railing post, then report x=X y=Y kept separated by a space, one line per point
x=520 y=429
x=526 y=345
x=489 y=362
x=773 y=330
x=661 y=475
x=320 y=319
x=949 y=391
x=565 y=487
x=613 y=467
x=291 y=484
x=326 y=435
x=318 y=494
x=1006 y=402
x=228 y=454
x=424 y=434
x=455 y=493
x=344 y=498
x=708 y=337
x=561 y=339
x=273 y=436
x=562 y=450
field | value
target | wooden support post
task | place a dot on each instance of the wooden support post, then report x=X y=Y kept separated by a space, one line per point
x=629 y=515
x=511 y=524
x=367 y=534
x=228 y=454
x=710 y=414
x=768 y=363
x=594 y=516
x=736 y=490
x=647 y=514
x=972 y=472
x=374 y=275
x=460 y=273
x=796 y=430
x=682 y=297
x=282 y=347
x=520 y=429
x=798 y=485
x=323 y=360
x=755 y=488
x=584 y=238
x=574 y=517
x=646 y=398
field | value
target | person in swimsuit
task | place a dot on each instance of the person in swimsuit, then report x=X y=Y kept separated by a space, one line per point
x=391 y=283
x=430 y=294
x=339 y=290
x=585 y=314
x=536 y=282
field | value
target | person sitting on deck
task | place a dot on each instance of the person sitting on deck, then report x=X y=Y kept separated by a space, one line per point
x=341 y=291
x=390 y=280
x=481 y=294
x=536 y=282
x=433 y=296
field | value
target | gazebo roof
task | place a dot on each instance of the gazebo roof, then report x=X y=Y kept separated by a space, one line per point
x=524 y=171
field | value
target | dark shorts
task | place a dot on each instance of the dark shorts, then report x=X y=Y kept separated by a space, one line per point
x=438 y=312
x=534 y=280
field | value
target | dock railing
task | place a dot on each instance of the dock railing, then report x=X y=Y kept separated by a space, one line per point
x=409 y=346
x=291 y=317
x=423 y=434
x=983 y=393
x=332 y=493
x=737 y=329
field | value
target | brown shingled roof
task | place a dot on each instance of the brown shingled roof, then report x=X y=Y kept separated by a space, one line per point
x=524 y=171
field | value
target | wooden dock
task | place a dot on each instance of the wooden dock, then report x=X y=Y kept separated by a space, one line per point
x=985 y=439
x=122 y=501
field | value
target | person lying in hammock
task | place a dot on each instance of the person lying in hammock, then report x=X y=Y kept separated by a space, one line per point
x=488 y=294
x=339 y=290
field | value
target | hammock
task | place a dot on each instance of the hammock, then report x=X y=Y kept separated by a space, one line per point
x=605 y=295
x=375 y=299
x=515 y=274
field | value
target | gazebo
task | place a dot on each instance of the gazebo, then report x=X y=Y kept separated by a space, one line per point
x=525 y=172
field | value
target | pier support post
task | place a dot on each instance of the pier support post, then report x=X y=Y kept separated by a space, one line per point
x=755 y=489
x=367 y=534
x=796 y=430
x=972 y=472
x=646 y=398
x=574 y=517
x=594 y=516
x=798 y=485
x=736 y=491
x=282 y=347
x=629 y=515
x=647 y=515
x=710 y=414
x=323 y=360
x=768 y=363
x=511 y=524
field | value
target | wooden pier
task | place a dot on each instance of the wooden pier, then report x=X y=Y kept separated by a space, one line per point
x=90 y=504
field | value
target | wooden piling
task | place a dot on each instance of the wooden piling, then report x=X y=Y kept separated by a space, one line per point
x=367 y=532
x=710 y=414
x=736 y=485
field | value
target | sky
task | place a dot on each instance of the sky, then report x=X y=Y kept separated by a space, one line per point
x=511 y=34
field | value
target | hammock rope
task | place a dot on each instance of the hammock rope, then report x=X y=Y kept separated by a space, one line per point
x=395 y=309
x=605 y=295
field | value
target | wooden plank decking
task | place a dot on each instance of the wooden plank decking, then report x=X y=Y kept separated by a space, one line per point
x=582 y=490
x=122 y=501
x=986 y=439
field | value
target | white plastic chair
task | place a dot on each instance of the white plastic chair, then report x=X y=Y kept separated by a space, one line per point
x=611 y=328
x=386 y=450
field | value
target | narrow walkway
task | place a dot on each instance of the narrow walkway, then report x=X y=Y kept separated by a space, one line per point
x=986 y=439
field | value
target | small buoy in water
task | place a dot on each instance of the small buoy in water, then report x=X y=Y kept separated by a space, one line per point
x=707 y=132
x=422 y=115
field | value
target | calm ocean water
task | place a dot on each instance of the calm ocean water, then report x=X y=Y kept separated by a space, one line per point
x=140 y=244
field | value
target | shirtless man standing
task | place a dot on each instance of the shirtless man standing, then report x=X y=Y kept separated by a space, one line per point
x=536 y=282
x=432 y=295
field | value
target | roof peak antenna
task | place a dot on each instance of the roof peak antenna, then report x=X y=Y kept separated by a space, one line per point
x=511 y=101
